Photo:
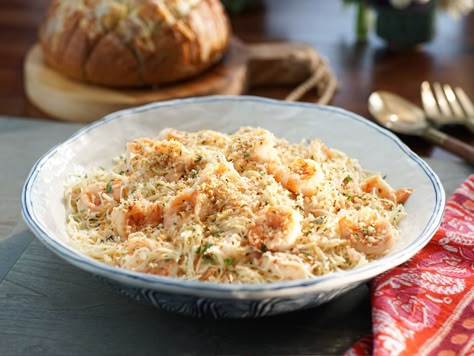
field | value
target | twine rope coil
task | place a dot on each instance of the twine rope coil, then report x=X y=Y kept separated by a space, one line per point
x=322 y=79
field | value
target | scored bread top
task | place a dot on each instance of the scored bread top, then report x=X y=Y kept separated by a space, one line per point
x=123 y=43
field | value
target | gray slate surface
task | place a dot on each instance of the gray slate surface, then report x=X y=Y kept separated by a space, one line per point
x=49 y=307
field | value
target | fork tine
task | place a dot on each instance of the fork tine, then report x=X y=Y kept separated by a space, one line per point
x=453 y=102
x=466 y=103
x=428 y=100
x=441 y=99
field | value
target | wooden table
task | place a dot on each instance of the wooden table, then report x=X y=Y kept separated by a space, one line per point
x=327 y=25
x=48 y=307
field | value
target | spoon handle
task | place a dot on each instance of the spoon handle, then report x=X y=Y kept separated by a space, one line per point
x=450 y=144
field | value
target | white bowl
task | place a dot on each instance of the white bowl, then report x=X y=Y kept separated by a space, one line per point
x=95 y=145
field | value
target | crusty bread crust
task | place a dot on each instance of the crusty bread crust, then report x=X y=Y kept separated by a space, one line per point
x=134 y=42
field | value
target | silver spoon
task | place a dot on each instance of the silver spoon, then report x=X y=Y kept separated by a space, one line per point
x=400 y=115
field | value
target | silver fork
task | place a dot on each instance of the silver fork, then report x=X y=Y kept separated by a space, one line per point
x=443 y=105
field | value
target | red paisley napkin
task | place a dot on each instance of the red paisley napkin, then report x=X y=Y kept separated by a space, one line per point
x=426 y=305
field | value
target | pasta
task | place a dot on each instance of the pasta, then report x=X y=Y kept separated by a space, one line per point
x=245 y=207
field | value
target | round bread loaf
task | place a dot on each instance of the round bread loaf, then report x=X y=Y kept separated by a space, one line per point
x=130 y=43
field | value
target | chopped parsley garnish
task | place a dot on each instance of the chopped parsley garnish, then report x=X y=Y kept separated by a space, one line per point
x=108 y=188
x=229 y=261
x=246 y=155
x=263 y=247
x=347 y=179
x=208 y=260
x=319 y=220
x=198 y=158
x=206 y=247
x=203 y=250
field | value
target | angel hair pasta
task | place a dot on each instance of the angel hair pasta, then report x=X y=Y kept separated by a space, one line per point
x=233 y=208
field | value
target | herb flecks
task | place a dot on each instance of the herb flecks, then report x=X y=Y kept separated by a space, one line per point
x=208 y=260
x=206 y=247
x=198 y=159
x=319 y=220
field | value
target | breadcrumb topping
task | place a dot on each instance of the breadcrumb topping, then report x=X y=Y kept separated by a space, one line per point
x=245 y=207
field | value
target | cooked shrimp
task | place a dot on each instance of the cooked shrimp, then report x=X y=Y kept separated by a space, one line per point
x=275 y=228
x=169 y=159
x=403 y=194
x=376 y=185
x=141 y=146
x=262 y=148
x=91 y=199
x=223 y=171
x=368 y=232
x=284 y=266
x=241 y=208
x=212 y=139
x=319 y=151
x=253 y=146
x=173 y=134
x=302 y=177
x=134 y=215
x=229 y=246
x=189 y=202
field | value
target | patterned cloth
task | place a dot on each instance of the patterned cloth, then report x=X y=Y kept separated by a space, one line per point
x=426 y=305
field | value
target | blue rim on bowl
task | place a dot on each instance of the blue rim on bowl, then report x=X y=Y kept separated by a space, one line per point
x=327 y=286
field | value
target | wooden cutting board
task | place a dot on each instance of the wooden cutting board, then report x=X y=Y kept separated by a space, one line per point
x=243 y=66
